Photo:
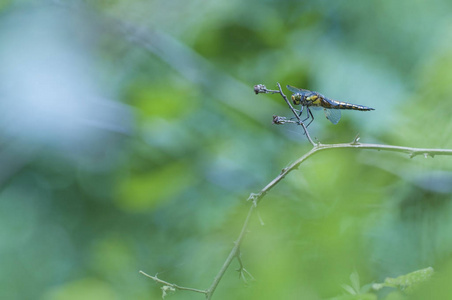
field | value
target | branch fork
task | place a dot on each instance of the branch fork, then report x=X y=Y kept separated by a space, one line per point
x=255 y=198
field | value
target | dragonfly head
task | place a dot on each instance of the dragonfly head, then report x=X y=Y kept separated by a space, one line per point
x=296 y=99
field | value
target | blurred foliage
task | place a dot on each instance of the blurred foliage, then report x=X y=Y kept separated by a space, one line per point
x=130 y=137
x=406 y=282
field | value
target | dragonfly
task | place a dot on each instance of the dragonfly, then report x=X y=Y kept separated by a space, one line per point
x=314 y=100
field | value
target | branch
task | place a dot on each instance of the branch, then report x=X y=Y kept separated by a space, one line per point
x=235 y=252
x=172 y=285
x=256 y=198
x=262 y=89
x=426 y=152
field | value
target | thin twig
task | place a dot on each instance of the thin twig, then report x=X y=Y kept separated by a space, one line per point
x=408 y=150
x=242 y=271
x=354 y=144
x=256 y=198
x=288 y=103
x=296 y=114
x=175 y=286
x=262 y=89
x=234 y=253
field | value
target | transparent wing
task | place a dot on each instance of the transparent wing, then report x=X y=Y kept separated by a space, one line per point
x=334 y=115
x=296 y=90
x=293 y=89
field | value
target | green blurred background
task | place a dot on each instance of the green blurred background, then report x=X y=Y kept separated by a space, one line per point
x=131 y=137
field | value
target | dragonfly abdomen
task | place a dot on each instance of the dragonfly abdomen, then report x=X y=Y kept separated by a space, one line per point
x=345 y=105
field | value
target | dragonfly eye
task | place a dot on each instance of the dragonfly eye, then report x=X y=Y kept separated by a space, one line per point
x=296 y=99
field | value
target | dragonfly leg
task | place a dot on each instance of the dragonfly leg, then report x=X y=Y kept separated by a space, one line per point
x=307 y=114
x=299 y=113
x=312 y=117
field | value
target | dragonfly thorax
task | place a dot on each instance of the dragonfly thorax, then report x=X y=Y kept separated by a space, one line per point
x=306 y=100
x=296 y=99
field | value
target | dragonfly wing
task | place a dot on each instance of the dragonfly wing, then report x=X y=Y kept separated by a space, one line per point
x=334 y=115
x=293 y=89
x=297 y=90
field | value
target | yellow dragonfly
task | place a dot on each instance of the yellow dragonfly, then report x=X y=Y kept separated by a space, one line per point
x=314 y=100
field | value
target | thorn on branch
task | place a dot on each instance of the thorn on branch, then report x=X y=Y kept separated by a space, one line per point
x=243 y=273
x=355 y=140
x=254 y=197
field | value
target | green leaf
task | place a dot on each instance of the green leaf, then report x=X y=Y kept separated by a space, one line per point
x=354 y=278
x=349 y=289
x=408 y=281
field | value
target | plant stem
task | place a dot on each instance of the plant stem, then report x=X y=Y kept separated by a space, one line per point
x=256 y=198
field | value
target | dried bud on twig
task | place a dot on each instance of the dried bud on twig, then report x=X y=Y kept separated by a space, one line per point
x=279 y=120
x=260 y=89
